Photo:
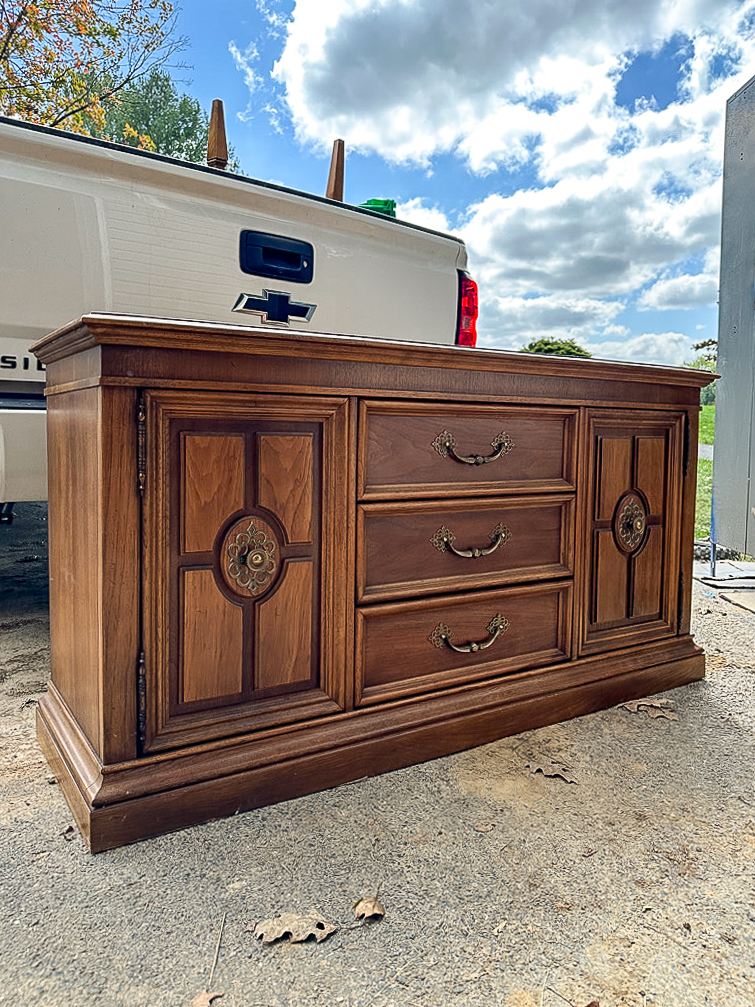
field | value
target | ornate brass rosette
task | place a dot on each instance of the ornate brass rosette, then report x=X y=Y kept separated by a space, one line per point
x=629 y=523
x=250 y=557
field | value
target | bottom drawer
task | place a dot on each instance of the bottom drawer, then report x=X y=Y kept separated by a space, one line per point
x=408 y=647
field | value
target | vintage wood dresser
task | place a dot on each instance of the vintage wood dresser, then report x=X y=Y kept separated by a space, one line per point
x=279 y=562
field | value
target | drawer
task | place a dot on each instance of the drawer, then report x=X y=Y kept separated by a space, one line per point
x=423 y=450
x=412 y=548
x=404 y=648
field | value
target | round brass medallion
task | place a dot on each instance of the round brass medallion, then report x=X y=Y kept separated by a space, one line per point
x=250 y=557
x=630 y=523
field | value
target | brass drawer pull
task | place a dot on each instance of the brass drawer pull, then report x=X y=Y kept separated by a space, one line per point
x=444 y=539
x=441 y=636
x=445 y=444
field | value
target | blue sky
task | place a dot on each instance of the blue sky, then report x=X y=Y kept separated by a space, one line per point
x=575 y=145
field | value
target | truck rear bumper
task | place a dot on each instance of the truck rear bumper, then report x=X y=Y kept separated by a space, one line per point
x=23 y=455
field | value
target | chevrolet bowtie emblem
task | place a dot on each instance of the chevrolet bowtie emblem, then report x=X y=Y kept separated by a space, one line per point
x=274 y=306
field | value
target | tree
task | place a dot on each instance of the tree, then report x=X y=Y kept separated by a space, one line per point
x=153 y=114
x=65 y=61
x=708 y=351
x=706 y=361
x=556 y=347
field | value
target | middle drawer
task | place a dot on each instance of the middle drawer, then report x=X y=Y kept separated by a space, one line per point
x=418 y=548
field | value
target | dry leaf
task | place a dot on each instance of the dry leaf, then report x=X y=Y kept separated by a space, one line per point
x=296 y=928
x=593 y=1003
x=551 y=769
x=655 y=712
x=483 y=827
x=653 y=708
x=204 y=999
x=369 y=909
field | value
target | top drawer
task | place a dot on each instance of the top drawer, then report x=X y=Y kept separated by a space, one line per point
x=456 y=450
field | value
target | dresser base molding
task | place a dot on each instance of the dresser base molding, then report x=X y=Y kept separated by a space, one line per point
x=221 y=780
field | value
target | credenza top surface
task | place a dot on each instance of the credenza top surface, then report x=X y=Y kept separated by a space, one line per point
x=124 y=349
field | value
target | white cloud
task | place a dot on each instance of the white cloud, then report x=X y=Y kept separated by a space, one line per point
x=272 y=14
x=617 y=200
x=604 y=239
x=512 y=322
x=408 y=79
x=651 y=348
x=680 y=292
x=416 y=212
x=245 y=62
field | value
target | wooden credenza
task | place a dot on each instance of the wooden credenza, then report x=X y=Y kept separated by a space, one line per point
x=281 y=562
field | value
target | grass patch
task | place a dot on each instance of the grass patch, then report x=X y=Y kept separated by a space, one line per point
x=707 y=424
x=703 y=500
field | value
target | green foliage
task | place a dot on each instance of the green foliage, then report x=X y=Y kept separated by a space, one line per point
x=63 y=61
x=708 y=349
x=703 y=500
x=705 y=362
x=154 y=114
x=556 y=347
x=707 y=424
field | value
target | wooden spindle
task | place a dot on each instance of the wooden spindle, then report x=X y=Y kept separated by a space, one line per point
x=217 y=146
x=335 y=178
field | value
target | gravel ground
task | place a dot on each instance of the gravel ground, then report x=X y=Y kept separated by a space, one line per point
x=635 y=885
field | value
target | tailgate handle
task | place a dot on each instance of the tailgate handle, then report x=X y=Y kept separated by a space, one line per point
x=276 y=257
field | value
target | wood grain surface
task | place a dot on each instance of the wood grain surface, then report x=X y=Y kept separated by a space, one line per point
x=184 y=688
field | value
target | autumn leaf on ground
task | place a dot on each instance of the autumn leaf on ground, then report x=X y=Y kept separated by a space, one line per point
x=296 y=928
x=204 y=999
x=653 y=707
x=548 y=768
x=369 y=909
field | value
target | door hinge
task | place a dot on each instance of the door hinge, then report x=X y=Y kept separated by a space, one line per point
x=680 y=604
x=141 y=446
x=141 y=694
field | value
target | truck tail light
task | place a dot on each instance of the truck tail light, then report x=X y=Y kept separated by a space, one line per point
x=466 y=333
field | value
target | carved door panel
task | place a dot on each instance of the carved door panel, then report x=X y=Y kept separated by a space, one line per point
x=244 y=517
x=633 y=521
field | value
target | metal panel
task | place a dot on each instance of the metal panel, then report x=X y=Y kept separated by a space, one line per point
x=733 y=523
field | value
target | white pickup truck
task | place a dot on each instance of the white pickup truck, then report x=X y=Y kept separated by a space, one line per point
x=92 y=226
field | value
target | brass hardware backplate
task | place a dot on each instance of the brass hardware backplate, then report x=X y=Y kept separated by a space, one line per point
x=250 y=557
x=444 y=539
x=630 y=523
x=441 y=636
x=445 y=444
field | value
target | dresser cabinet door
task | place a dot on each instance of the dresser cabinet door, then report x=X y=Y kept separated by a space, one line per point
x=633 y=521
x=244 y=552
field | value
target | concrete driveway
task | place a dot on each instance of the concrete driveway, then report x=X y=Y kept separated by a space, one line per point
x=633 y=885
